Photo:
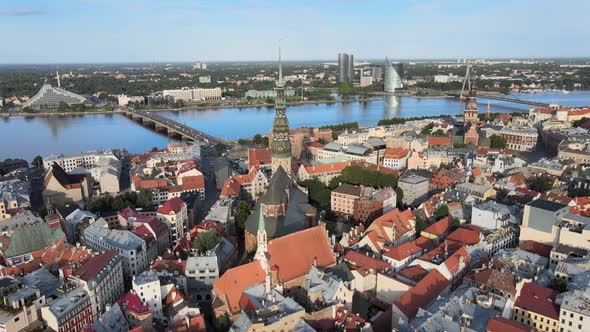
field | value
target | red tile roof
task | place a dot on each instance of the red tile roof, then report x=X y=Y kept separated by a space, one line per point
x=358 y=259
x=414 y=273
x=294 y=254
x=232 y=283
x=94 y=265
x=132 y=302
x=173 y=205
x=380 y=231
x=538 y=299
x=536 y=248
x=501 y=324
x=396 y=153
x=419 y=296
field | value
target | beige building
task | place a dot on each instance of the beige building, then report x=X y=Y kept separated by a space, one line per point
x=540 y=221
x=414 y=188
x=187 y=94
x=174 y=214
x=343 y=198
x=60 y=186
x=536 y=307
x=520 y=139
x=575 y=312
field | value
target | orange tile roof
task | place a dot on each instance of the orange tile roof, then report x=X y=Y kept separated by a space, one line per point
x=171 y=265
x=358 y=259
x=501 y=324
x=232 y=283
x=231 y=187
x=458 y=261
x=439 y=140
x=468 y=235
x=380 y=229
x=414 y=273
x=476 y=171
x=402 y=251
x=396 y=153
x=259 y=156
x=536 y=247
x=419 y=296
x=195 y=182
x=439 y=228
x=294 y=254
x=326 y=168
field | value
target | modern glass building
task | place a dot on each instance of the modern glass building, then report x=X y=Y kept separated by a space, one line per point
x=393 y=76
x=345 y=67
x=49 y=97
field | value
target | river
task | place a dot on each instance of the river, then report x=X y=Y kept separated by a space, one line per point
x=23 y=137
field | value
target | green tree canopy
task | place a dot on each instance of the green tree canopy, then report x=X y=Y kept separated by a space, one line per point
x=541 y=184
x=207 y=240
x=442 y=212
x=497 y=142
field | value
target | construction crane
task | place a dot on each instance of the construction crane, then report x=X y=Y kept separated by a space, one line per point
x=466 y=81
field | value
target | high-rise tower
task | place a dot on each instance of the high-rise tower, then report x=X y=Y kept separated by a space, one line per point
x=280 y=145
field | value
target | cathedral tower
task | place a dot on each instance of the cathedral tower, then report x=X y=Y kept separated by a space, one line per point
x=280 y=145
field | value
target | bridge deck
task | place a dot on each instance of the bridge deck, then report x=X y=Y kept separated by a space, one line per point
x=175 y=126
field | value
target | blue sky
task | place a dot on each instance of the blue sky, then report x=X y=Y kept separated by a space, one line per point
x=41 y=31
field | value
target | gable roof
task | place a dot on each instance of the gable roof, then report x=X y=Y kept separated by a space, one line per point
x=538 y=299
x=440 y=227
x=94 y=265
x=234 y=281
x=294 y=254
x=259 y=157
x=30 y=238
x=365 y=261
x=419 y=296
x=173 y=205
x=66 y=180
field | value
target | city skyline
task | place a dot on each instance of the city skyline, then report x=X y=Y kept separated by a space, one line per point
x=93 y=31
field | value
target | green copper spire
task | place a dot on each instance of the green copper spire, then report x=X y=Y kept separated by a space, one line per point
x=261 y=224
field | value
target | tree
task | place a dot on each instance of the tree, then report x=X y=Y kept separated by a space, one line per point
x=319 y=194
x=257 y=139
x=37 y=162
x=497 y=142
x=399 y=196
x=420 y=226
x=265 y=141
x=242 y=212
x=155 y=149
x=221 y=324
x=541 y=184
x=428 y=129
x=345 y=89
x=108 y=108
x=442 y=212
x=559 y=285
x=580 y=192
x=456 y=223
x=144 y=199
x=207 y=240
x=62 y=107
x=220 y=147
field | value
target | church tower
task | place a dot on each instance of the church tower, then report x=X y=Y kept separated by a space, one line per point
x=280 y=145
x=470 y=113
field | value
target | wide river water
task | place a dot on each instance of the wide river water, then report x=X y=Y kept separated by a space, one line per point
x=23 y=137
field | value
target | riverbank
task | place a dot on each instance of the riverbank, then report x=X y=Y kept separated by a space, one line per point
x=190 y=108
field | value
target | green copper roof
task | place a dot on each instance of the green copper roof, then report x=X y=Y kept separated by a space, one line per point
x=32 y=238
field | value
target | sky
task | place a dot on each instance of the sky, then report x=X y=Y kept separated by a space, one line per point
x=87 y=31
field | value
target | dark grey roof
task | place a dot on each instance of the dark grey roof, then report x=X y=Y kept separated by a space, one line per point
x=348 y=189
x=341 y=271
x=293 y=221
x=333 y=146
x=65 y=211
x=547 y=205
x=277 y=187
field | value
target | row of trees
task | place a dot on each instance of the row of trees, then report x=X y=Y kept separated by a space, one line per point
x=395 y=121
x=143 y=199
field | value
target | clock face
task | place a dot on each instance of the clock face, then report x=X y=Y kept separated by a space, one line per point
x=280 y=147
